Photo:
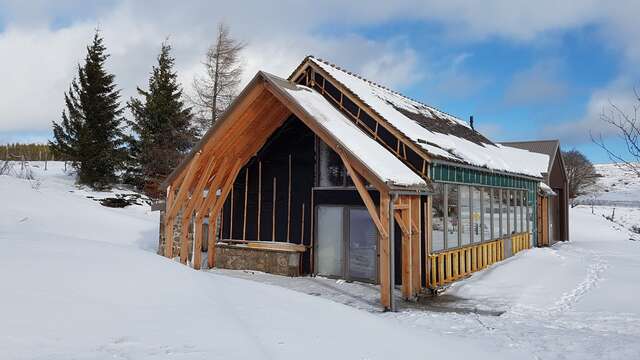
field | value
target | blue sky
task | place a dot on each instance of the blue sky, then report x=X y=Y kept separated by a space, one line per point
x=525 y=71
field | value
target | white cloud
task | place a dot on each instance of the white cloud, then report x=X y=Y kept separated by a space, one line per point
x=619 y=92
x=541 y=83
x=42 y=58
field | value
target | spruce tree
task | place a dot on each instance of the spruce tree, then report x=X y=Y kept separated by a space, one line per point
x=90 y=133
x=161 y=127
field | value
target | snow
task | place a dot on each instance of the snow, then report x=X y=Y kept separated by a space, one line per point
x=374 y=156
x=82 y=281
x=79 y=281
x=615 y=186
x=546 y=189
x=451 y=147
x=616 y=195
x=575 y=300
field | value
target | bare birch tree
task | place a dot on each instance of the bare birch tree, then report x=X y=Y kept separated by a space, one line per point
x=627 y=125
x=215 y=91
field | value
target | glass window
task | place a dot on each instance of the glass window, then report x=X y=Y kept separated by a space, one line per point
x=512 y=212
x=452 y=216
x=465 y=215
x=495 y=205
x=331 y=170
x=476 y=215
x=524 y=227
x=517 y=227
x=487 y=220
x=437 y=218
x=531 y=217
x=504 y=212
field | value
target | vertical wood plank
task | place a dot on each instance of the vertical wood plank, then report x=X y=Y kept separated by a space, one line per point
x=416 y=250
x=259 y=197
x=244 y=216
x=384 y=242
x=407 y=281
x=197 y=247
x=289 y=203
x=273 y=211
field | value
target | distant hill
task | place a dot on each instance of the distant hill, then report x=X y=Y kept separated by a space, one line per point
x=616 y=186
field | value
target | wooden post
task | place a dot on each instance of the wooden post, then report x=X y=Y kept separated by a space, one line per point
x=416 y=250
x=197 y=247
x=244 y=217
x=231 y=215
x=168 y=227
x=273 y=212
x=404 y=220
x=289 y=203
x=385 y=266
x=259 y=197
x=302 y=226
x=428 y=237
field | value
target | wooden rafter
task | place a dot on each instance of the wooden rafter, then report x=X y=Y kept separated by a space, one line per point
x=176 y=204
x=215 y=211
x=184 y=188
x=364 y=194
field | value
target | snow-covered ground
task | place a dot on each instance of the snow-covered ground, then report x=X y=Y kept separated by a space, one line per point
x=616 y=186
x=616 y=195
x=82 y=281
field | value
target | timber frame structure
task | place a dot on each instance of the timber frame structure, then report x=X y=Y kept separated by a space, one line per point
x=258 y=179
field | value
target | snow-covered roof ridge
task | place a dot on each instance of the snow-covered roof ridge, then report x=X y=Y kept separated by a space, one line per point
x=443 y=137
x=395 y=92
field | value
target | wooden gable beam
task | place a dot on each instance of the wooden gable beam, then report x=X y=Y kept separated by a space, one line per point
x=211 y=253
x=401 y=223
x=324 y=135
x=246 y=99
x=184 y=188
x=175 y=205
x=197 y=197
x=364 y=194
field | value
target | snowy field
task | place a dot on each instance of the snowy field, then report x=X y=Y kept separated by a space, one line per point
x=82 y=281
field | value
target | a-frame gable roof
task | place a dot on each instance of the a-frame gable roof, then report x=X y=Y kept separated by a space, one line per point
x=434 y=133
x=380 y=166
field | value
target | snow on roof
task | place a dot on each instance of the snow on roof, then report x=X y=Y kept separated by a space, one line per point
x=373 y=155
x=546 y=189
x=440 y=134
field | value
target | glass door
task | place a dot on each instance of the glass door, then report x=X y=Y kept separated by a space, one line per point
x=362 y=246
x=330 y=241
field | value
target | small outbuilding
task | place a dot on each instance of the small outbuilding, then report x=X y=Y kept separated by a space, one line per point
x=554 y=197
x=327 y=173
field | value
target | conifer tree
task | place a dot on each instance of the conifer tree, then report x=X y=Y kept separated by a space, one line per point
x=161 y=126
x=90 y=133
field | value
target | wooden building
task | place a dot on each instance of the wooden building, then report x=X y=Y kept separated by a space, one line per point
x=554 y=204
x=328 y=173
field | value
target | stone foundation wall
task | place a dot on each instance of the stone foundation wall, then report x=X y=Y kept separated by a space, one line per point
x=177 y=229
x=238 y=257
